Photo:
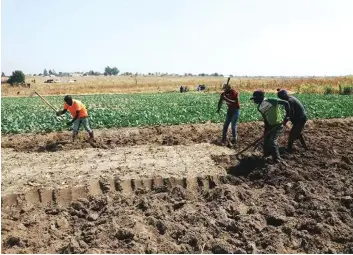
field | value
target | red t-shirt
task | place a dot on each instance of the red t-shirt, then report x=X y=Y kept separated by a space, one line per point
x=232 y=99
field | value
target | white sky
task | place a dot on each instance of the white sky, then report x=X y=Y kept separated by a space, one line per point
x=249 y=37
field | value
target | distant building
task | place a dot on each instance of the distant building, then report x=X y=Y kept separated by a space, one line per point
x=76 y=74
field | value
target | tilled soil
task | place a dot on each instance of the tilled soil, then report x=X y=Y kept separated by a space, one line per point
x=23 y=171
x=112 y=138
x=302 y=205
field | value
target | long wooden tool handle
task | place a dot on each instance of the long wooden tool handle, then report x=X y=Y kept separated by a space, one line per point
x=251 y=145
x=49 y=104
x=228 y=80
x=257 y=141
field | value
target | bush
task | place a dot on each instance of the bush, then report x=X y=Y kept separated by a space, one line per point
x=308 y=89
x=299 y=89
x=329 y=90
x=17 y=77
x=347 y=90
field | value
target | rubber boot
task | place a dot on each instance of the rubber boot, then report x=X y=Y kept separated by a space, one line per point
x=224 y=142
x=234 y=141
x=289 y=148
x=275 y=155
x=266 y=149
x=301 y=138
x=266 y=153
x=74 y=136
x=91 y=136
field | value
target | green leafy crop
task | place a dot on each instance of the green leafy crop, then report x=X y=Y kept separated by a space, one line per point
x=22 y=115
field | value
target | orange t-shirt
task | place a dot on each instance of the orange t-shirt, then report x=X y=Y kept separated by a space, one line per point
x=76 y=106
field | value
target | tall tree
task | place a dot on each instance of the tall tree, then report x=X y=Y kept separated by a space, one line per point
x=114 y=71
x=107 y=71
x=111 y=71
x=16 y=77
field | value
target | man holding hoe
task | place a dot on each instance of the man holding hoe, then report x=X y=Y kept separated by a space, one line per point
x=270 y=111
x=297 y=117
x=79 y=116
x=231 y=97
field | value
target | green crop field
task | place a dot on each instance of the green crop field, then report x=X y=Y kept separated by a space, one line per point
x=22 y=115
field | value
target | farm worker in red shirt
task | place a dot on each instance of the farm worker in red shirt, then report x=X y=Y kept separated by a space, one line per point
x=79 y=115
x=231 y=97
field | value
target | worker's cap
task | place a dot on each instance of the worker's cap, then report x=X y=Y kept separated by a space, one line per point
x=67 y=98
x=258 y=94
x=282 y=93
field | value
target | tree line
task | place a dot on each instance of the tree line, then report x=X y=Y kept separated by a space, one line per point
x=107 y=71
x=18 y=77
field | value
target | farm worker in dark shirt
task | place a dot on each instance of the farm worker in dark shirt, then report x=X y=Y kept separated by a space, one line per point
x=271 y=113
x=79 y=115
x=231 y=97
x=297 y=117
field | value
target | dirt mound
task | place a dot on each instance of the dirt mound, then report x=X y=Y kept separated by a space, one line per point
x=158 y=135
x=112 y=138
x=42 y=197
x=235 y=215
x=304 y=204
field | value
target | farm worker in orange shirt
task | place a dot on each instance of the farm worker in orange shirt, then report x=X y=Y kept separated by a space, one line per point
x=79 y=116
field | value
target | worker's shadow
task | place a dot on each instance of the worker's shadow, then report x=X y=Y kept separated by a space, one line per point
x=247 y=165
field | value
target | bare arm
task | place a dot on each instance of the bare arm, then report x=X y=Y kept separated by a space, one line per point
x=220 y=104
x=61 y=112
x=229 y=100
x=234 y=96
x=286 y=107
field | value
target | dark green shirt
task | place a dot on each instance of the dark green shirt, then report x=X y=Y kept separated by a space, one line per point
x=297 y=110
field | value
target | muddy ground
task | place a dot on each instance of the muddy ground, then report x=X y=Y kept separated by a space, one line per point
x=302 y=205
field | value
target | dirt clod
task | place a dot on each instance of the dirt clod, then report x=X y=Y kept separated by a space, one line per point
x=124 y=234
x=275 y=220
x=13 y=241
x=93 y=217
x=62 y=223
